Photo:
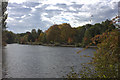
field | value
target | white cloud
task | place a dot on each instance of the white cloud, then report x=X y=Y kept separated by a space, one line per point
x=30 y=15
x=72 y=9
x=25 y=6
x=21 y=1
x=68 y=2
x=48 y=12
x=85 y=8
x=18 y=17
x=17 y=1
x=44 y=14
x=62 y=18
x=84 y=14
x=33 y=9
x=112 y=1
x=39 y=6
x=86 y=1
x=10 y=19
x=51 y=7
x=53 y=2
x=21 y=21
x=9 y=8
x=23 y=16
x=44 y=18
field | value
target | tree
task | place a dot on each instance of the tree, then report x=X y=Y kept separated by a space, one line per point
x=66 y=32
x=42 y=37
x=10 y=37
x=80 y=31
x=96 y=29
x=87 y=37
x=38 y=32
x=29 y=36
x=107 y=25
x=106 y=61
x=53 y=34
x=24 y=39
x=34 y=35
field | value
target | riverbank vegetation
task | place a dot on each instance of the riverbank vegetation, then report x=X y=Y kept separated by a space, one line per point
x=60 y=35
x=106 y=61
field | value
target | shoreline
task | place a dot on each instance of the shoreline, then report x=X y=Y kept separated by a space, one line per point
x=57 y=45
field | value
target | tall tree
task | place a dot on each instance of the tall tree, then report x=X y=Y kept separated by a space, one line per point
x=42 y=38
x=34 y=35
x=53 y=34
x=66 y=32
x=10 y=37
x=80 y=31
x=38 y=32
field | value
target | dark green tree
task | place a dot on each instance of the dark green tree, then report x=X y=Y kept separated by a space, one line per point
x=34 y=35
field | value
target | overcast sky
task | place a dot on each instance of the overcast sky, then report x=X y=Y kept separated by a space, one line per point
x=25 y=15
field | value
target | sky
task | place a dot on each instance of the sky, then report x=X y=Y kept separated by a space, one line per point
x=25 y=15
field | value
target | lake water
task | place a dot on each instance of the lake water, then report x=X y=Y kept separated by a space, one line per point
x=35 y=61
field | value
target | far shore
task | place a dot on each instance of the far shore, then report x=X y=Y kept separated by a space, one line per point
x=59 y=45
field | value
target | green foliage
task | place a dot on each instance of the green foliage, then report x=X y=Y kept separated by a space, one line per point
x=8 y=37
x=63 y=34
x=66 y=32
x=34 y=35
x=80 y=31
x=72 y=74
x=42 y=38
x=87 y=37
x=53 y=34
x=96 y=29
x=29 y=36
x=38 y=32
x=106 y=61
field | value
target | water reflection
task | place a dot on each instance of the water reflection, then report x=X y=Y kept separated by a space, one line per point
x=34 y=61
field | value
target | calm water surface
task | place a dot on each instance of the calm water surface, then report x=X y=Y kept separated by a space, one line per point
x=35 y=61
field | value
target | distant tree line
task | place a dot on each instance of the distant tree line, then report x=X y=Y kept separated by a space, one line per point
x=61 y=34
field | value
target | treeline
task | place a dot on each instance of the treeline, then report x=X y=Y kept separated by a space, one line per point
x=61 y=34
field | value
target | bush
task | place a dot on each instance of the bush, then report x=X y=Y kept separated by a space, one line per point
x=105 y=61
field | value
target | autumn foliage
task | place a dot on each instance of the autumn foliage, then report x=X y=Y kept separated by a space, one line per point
x=106 y=61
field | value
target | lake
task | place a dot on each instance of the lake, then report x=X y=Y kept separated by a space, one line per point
x=36 y=61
